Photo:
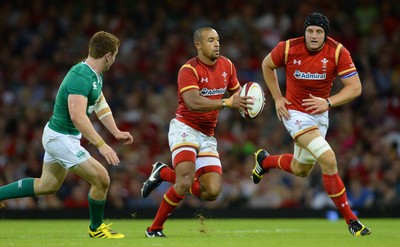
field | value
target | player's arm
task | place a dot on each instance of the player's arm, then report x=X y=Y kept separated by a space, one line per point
x=271 y=79
x=104 y=114
x=351 y=89
x=350 y=79
x=77 y=110
x=187 y=81
x=195 y=102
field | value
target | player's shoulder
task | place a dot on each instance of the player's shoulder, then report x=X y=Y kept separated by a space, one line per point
x=190 y=65
x=224 y=62
x=193 y=62
x=335 y=47
x=332 y=42
x=81 y=67
x=224 y=59
x=295 y=41
x=289 y=45
x=83 y=70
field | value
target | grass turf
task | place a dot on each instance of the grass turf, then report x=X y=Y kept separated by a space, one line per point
x=198 y=233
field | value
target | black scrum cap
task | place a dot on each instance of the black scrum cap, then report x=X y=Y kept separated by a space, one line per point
x=317 y=19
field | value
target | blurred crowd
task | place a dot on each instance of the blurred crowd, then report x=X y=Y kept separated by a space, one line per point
x=42 y=39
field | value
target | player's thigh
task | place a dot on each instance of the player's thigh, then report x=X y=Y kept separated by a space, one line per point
x=328 y=162
x=53 y=175
x=93 y=172
x=320 y=149
x=185 y=172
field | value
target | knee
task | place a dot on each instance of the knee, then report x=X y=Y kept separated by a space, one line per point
x=45 y=189
x=103 y=181
x=302 y=170
x=48 y=191
x=182 y=186
x=328 y=162
x=211 y=193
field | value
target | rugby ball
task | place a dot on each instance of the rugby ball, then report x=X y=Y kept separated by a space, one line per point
x=254 y=90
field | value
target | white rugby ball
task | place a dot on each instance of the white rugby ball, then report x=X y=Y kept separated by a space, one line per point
x=254 y=90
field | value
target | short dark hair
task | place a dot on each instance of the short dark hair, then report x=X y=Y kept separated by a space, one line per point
x=102 y=43
x=198 y=34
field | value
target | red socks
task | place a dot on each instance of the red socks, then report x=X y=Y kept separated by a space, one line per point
x=336 y=191
x=333 y=183
x=170 y=200
x=282 y=162
x=167 y=174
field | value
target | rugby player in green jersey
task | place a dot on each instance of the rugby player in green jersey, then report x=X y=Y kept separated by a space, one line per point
x=80 y=94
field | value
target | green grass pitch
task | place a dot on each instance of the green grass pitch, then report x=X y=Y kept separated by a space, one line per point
x=198 y=233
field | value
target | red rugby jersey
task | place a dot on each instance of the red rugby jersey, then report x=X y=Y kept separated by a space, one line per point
x=212 y=81
x=311 y=72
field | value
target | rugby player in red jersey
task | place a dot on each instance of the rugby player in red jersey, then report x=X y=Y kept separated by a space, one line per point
x=312 y=63
x=202 y=83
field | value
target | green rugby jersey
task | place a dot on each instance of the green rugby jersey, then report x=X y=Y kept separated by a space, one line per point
x=82 y=80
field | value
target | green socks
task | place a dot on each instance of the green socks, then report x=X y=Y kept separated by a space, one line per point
x=18 y=189
x=96 y=210
x=24 y=188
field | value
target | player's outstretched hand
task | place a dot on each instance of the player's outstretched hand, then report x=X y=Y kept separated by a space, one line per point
x=124 y=136
x=109 y=154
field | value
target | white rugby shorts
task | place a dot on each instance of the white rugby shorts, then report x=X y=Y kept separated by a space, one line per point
x=299 y=122
x=183 y=137
x=63 y=149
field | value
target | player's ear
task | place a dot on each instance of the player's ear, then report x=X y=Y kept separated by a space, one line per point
x=108 y=56
x=197 y=45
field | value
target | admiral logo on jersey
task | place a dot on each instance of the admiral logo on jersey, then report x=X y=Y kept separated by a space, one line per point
x=309 y=76
x=213 y=91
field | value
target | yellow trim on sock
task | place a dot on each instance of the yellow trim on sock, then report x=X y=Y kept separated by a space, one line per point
x=338 y=194
x=169 y=201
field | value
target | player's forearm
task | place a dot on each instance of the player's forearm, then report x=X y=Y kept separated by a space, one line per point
x=83 y=124
x=109 y=122
x=195 y=102
x=351 y=90
x=204 y=104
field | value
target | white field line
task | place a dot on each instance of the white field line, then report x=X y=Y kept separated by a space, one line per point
x=259 y=231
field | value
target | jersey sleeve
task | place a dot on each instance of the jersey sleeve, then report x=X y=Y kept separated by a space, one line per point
x=187 y=78
x=80 y=85
x=345 y=66
x=233 y=80
x=278 y=54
